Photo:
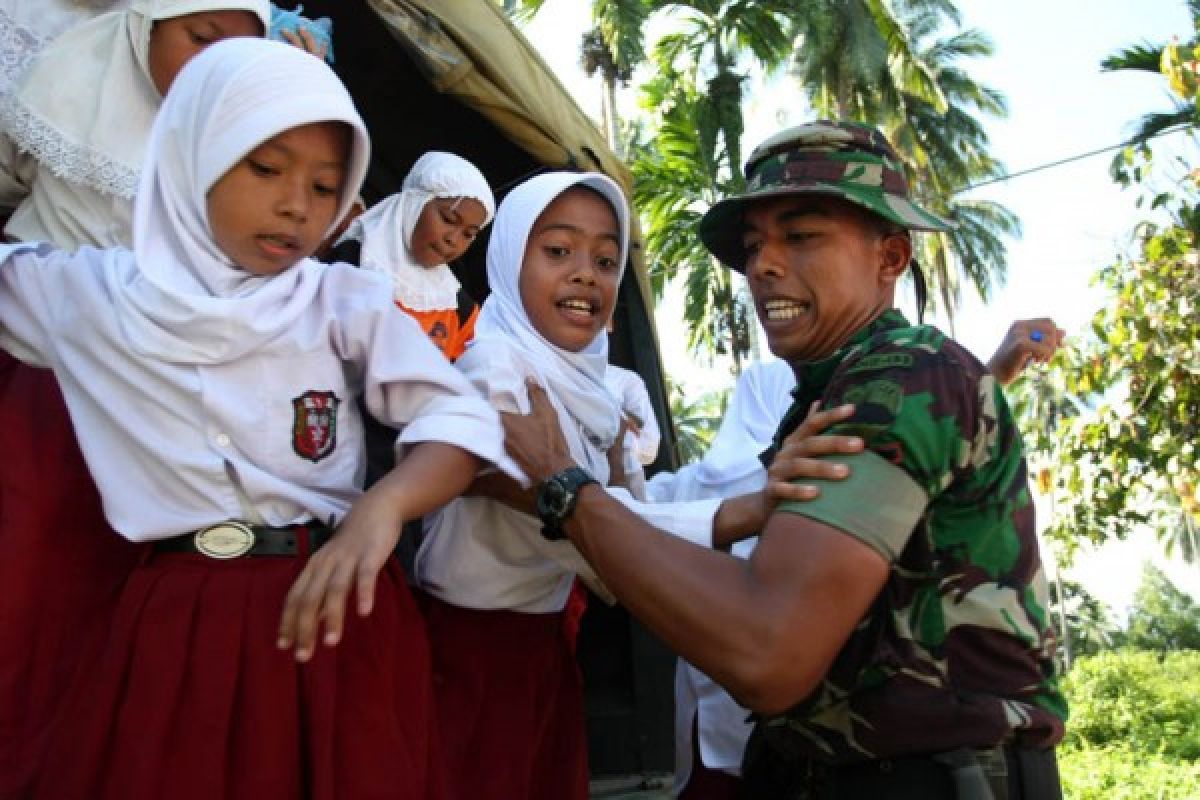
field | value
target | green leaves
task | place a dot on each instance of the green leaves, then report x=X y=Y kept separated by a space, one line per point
x=1130 y=458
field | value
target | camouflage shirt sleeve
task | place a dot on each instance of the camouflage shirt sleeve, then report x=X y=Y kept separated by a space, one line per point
x=913 y=404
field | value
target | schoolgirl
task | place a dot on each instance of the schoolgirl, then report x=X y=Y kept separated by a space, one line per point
x=412 y=236
x=211 y=374
x=71 y=144
x=508 y=690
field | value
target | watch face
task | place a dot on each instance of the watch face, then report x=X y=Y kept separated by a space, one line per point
x=552 y=499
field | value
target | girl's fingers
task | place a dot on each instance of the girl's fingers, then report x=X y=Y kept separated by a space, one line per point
x=287 y=620
x=823 y=445
x=333 y=611
x=308 y=607
x=817 y=421
x=781 y=491
x=792 y=469
x=368 y=571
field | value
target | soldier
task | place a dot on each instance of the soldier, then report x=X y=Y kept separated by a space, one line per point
x=890 y=634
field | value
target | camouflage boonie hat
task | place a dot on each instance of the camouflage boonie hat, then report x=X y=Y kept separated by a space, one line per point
x=842 y=159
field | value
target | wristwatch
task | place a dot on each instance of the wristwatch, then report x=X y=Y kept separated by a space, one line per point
x=556 y=498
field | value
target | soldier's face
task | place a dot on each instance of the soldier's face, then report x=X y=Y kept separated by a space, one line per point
x=819 y=271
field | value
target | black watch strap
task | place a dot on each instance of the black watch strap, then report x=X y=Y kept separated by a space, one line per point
x=557 y=497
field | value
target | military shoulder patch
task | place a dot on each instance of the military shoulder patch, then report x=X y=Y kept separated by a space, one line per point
x=879 y=361
x=886 y=394
x=314 y=424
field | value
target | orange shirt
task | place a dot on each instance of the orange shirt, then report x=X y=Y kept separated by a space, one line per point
x=446 y=327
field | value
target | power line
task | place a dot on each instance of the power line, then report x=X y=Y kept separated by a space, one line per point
x=1069 y=159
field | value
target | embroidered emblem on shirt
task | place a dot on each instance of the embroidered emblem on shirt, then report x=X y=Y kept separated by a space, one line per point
x=878 y=361
x=314 y=424
x=886 y=394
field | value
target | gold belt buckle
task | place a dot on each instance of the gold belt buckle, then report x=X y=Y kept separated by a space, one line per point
x=225 y=540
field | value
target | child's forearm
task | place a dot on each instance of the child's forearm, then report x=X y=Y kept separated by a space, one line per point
x=430 y=475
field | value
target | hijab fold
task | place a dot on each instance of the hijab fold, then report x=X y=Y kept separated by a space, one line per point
x=83 y=107
x=576 y=379
x=385 y=231
x=183 y=300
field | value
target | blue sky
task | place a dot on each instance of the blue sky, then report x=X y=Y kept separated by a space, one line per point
x=1075 y=218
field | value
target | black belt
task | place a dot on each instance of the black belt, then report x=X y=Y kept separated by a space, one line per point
x=234 y=539
x=998 y=773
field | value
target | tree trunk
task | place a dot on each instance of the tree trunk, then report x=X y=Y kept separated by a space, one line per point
x=611 y=128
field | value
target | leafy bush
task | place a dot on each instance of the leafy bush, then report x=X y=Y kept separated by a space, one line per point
x=1146 y=702
x=1120 y=773
x=1134 y=730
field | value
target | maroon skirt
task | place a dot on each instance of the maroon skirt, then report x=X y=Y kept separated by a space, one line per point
x=191 y=698
x=510 y=702
x=61 y=567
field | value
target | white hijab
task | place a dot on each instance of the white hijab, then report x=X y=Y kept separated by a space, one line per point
x=86 y=104
x=576 y=379
x=386 y=230
x=183 y=300
x=761 y=397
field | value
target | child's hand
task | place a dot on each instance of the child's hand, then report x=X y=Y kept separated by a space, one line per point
x=797 y=457
x=350 y=561
x=1027 y=341
x=303 y=39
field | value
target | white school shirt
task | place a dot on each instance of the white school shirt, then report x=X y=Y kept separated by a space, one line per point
x=720 y=723
x=629 y=388
x=479 y=553
x=730 y=468
x=175 y=447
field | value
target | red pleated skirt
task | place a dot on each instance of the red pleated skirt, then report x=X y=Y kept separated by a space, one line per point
x=61 y=567
x=191 y=700
x=510 y=704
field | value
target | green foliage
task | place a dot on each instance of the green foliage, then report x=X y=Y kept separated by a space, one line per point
x=1146 y=702
x=1163 y=618
x=1120 y=453
x=1117 y=772
x=1089 y=623
x=696 y=421
x=1130 y=458
x=676 y=177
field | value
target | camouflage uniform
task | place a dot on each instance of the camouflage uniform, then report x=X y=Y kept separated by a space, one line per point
x=957 y=649
x=955 y=653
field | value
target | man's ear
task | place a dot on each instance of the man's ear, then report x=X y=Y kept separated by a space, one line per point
x=895 y=253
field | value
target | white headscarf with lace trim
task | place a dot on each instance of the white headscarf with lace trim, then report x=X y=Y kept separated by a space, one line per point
x=85 y=106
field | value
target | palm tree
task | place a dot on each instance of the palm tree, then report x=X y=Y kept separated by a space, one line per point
x=855 y=59
x=887 y=64
x=693 y=156
x=948 y=150
x=676 y=177
x=1147 y=57
x=613 y=47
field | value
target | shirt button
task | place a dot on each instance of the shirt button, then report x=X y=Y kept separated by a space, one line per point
x=222 y=440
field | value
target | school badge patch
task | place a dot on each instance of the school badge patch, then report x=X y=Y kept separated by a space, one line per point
x=314 y=424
